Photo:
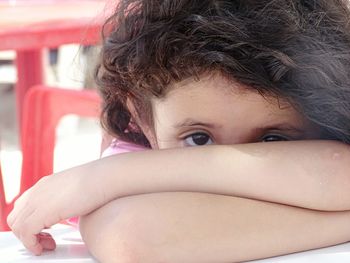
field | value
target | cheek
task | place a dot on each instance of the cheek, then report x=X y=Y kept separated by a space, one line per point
x=168 y=145
x=164 y=134
x=152 y=139
x=165 y=139
x=159 y=133
x=167 y=142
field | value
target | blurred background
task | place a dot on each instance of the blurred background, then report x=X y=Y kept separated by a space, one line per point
x=78 y=139
x=68 y=66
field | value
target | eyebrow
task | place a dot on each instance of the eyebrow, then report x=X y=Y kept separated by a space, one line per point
x=281 y=127
x=191 y=122
x=275 y=126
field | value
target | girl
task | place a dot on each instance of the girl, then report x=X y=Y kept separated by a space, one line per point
x=236 y=74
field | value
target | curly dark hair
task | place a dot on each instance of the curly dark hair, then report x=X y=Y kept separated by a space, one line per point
x=298 y=50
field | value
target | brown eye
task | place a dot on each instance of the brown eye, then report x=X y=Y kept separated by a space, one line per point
x=274 y=138
x=197 y=139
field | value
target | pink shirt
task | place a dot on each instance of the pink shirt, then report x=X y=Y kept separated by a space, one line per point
x=118 y=146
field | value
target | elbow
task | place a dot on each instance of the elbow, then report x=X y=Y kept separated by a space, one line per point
x=114 y=233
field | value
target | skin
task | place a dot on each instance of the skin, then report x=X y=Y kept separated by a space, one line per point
x=199 y=227
x=265 y=171
x=173 y=236
x=222 y=112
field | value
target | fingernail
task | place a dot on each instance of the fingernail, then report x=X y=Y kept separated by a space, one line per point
x=43 y=234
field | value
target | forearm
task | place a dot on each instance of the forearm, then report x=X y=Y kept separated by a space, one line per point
x=307 y=174
x=310 y=174
x=193 y=227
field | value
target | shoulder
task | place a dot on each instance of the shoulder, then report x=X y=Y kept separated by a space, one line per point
x=119 y=146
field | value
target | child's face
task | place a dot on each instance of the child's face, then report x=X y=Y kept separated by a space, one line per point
x=216 y=111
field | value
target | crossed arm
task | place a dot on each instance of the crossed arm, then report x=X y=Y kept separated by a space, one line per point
x=312 y=175
x=197 y=227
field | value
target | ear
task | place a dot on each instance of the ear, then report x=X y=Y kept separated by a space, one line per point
x=146 y=130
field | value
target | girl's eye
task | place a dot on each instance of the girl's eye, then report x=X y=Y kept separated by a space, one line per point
x=274 y=138
x=197 y=139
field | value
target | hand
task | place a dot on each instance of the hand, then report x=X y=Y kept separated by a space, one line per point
x=50 y=200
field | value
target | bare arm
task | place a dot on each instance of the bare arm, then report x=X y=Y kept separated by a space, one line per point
x=194 y=227
x=308 y=174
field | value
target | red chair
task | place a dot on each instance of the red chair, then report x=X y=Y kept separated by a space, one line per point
x=42 y=110
x=5 y=209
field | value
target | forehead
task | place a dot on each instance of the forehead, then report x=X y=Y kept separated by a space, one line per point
x=214 y=97
x=230 y=112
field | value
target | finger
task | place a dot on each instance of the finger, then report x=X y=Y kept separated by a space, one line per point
x=32 y=244
x=46 y=240
x=10 y=218
x=27 y=231
x=17 y=208
x=13 y=214
x=20 y=222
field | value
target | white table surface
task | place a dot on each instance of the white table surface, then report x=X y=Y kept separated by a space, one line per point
x=70 y=248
